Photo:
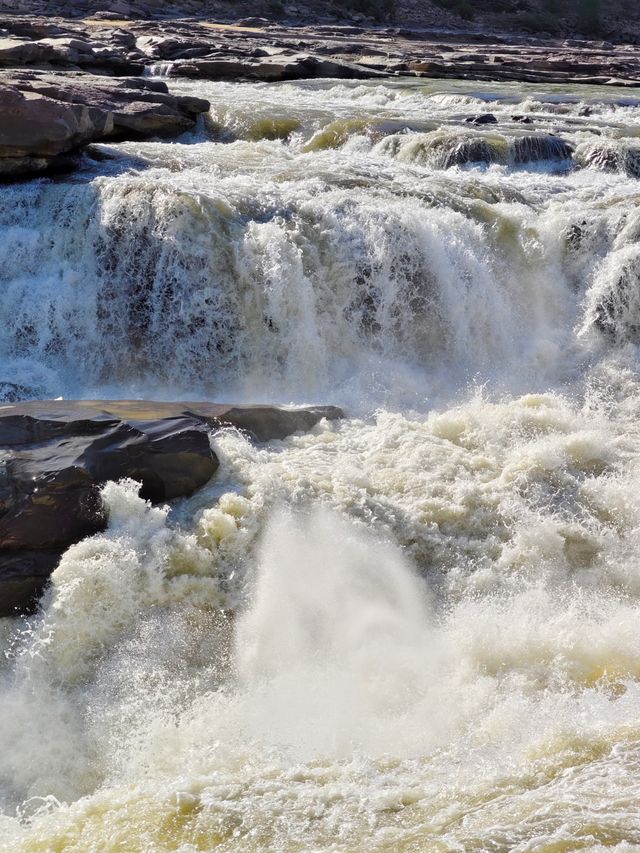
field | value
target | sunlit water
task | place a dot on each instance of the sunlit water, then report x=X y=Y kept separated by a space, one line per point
x=412 y=630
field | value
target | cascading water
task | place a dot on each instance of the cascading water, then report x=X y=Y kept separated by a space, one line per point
x=411 y=630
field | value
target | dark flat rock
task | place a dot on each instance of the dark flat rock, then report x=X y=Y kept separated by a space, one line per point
x=55 y=455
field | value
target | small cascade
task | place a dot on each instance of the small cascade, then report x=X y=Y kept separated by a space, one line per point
x=158 y=69
x=536 y=149
x=446 y=150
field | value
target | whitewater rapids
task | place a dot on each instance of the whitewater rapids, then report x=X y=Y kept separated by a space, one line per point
x=415 y=629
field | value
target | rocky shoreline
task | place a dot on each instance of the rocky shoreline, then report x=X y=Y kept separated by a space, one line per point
x=55 y=456
x=47 y=116
x=65 y=83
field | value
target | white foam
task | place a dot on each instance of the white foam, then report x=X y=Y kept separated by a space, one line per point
x=413 y=629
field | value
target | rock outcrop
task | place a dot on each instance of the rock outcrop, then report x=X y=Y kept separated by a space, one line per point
x=271 y=69
x=44 y=116
x=55 y=455
x=106 y=45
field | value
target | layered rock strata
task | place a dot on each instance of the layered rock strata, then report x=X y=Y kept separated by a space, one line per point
x=65 y=82
x=45 y=117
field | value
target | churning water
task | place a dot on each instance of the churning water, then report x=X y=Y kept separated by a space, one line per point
x=412 y=630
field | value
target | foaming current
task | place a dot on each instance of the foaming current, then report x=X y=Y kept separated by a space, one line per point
x=360 y=244
x=413 y=629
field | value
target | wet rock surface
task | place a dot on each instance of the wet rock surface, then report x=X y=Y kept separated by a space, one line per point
x=55 y=455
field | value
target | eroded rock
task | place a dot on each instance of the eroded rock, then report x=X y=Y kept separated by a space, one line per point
x=271 y=68
x=32 y=125
x=18 y=52
x=44 y=115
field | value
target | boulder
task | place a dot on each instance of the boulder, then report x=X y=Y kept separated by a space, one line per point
x=116 y=36
x=27 y=27
x=125 y=98
x=33 y=125
x=338 y=68
x=272 y=68
x=611 y=156
x=162 y=47
x=23 y=576
x=84 y=53
x=241 y=68
x=12 y=168
x=70 y=50
x=108 y=15
x=15 y=51
x=533 y=149
x=55 y=456
x=483 y=118
x=44 y=115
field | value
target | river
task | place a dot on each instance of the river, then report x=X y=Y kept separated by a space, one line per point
x=415 y=629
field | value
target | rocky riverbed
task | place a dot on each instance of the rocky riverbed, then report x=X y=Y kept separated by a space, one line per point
x=67 y=82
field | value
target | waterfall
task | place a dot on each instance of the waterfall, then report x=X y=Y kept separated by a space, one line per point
x=137 y=282
x=411 y=629
x=158 y=69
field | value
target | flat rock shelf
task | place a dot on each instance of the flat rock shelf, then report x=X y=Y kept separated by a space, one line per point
x=55 y=455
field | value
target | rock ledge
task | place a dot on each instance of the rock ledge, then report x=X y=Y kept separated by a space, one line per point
x=55 y=455
x=47 y=116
